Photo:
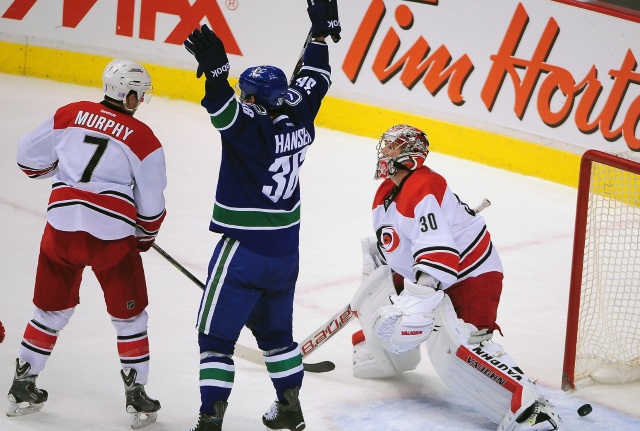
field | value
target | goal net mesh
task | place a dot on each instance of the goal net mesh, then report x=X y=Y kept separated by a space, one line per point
x=608 y=339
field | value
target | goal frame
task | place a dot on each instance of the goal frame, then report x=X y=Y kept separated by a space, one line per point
x=577 y=265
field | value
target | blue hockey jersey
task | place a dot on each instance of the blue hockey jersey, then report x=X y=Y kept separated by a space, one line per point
x=258 y=192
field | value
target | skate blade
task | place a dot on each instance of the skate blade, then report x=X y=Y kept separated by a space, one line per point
x=141 y=420
x=21 y=409
x=300 y=427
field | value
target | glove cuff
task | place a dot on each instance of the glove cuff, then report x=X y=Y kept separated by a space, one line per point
x=419 y=290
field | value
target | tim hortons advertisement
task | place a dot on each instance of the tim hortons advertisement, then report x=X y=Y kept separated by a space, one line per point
x=536 y=69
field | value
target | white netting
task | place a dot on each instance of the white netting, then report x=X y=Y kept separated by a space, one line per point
x=608 y=348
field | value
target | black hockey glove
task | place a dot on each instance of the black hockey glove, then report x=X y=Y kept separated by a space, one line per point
x=209 y=51
x=324 y=18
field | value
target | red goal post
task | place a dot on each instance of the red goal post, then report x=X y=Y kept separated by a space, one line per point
x=602 y=342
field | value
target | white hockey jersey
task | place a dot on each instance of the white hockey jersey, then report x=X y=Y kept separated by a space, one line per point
x=108 y=168
x=423 y=226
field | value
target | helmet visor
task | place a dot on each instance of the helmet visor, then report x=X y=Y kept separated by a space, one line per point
x=146 y=95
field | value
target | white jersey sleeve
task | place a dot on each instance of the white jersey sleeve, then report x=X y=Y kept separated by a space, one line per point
x=36 y=155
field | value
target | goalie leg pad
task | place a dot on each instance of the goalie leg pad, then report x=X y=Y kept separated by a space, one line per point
x=374 y=291
x=481 y=373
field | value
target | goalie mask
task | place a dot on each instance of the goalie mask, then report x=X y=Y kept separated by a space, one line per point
x=267 y=84
x=401 y=147
x=121 y=76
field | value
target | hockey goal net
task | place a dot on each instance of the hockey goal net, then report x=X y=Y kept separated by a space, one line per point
x=602 y=341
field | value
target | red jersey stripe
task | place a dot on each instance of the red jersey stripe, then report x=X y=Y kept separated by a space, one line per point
x=110 y=203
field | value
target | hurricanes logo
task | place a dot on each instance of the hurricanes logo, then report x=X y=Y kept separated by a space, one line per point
x=383 y=169
x=388 y=238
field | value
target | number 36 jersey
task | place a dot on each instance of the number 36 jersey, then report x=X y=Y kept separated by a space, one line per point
x=258 y=194
x=108 y=171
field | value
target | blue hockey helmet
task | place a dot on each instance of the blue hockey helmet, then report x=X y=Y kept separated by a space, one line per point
x=268 y=84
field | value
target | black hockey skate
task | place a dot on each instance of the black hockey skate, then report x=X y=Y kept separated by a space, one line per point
x=285 y=415
x=24 y=397
x=144 y=410
x=211 y=422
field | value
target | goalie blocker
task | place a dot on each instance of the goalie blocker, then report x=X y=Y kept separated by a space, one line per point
x=471 y=365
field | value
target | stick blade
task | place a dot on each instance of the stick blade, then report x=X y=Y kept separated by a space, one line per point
x=319 y=367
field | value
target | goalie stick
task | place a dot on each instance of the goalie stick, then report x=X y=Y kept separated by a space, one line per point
x=485 y=203
x=247 y=353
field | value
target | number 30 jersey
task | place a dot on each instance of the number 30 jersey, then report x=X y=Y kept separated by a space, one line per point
x=258 y=192
x=422 y=226
x=108 y=171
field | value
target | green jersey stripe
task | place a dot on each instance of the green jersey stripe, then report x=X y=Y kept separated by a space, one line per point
x=254 y=218
x=226 y=116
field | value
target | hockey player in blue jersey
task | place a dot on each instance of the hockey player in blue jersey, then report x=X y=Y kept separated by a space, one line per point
x=266 y=133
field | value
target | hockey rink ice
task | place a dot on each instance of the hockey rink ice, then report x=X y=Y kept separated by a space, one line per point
x=531 y=222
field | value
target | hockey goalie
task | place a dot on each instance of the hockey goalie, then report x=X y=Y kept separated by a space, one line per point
x=432 y=275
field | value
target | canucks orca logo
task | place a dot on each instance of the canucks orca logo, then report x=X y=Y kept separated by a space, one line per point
x=293 y=97
x=388 y=238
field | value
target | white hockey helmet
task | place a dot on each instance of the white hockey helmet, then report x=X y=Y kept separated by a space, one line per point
x=401 y=147
x=122 y=76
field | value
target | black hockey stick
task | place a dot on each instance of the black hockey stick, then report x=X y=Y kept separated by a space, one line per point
x=180 y=268
x=300 y=58
x=244 y=352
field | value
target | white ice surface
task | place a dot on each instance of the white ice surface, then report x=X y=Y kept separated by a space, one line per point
x=531 y=222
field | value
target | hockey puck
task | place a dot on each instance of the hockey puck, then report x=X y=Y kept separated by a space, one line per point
x=585 y=410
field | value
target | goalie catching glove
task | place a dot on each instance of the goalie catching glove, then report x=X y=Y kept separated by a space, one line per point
x=406 y=323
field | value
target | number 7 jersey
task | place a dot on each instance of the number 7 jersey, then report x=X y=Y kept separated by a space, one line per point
x=108 y=171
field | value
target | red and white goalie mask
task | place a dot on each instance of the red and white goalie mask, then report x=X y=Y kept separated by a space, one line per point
x=401 y=147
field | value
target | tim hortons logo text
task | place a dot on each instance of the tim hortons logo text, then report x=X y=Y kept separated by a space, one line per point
x=560 y=96
x=325 y=333
x=190 y=16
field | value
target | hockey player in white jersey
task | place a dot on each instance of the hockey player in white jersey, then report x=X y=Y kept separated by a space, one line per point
x=448 y=282
x=106 y=206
